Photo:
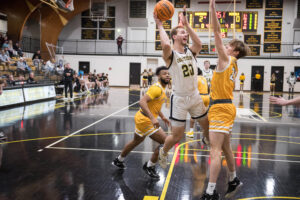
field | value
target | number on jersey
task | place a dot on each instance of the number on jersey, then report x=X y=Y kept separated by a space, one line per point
x=188 y=70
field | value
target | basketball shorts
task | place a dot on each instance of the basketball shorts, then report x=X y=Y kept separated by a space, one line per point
x=241 y=82
x=180 y=106
x=205 y=99
x=221 y=118
x=143 y=125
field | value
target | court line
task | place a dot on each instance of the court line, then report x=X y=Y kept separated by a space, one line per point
x=92 y=124
x=170 y=153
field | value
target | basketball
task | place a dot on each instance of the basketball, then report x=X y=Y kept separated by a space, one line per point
x=164 y=10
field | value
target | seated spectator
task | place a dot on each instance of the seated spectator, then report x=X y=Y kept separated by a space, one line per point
x=20 y=81
x=60 y=70
x=1 y=39
x=5 y=44
x=36 y=62
x=4 y=59
x=22 y=66
x=30 y=79
x=50 y=66
x=10 y=81
x=1 y=85
x=38 y=54
x=18 y=49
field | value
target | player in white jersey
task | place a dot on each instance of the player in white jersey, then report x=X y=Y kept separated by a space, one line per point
x=207 y=72
x=183 y=70
x=291 y=81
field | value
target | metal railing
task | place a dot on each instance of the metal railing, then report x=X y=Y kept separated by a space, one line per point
x=142 y=48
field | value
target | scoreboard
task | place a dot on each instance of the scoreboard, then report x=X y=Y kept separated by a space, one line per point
x=244 y=21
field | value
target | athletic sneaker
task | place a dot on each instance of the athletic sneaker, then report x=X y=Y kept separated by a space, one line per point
x=150 y=171
x=190 y=134
x=2 y=136
x=233 y=187
x=214 y=196
x=162 y=158
x=116 y=162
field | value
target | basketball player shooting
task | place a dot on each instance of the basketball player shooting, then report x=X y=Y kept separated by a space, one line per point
x=182 y=64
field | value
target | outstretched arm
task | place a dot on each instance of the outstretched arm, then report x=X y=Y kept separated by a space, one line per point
x=283 y=102
x=197 y=45
x=164 y=40
x=223 y=58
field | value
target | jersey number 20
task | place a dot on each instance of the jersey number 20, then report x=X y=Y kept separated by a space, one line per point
x=188 y=70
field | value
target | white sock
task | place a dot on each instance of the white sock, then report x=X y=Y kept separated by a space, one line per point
x=121 y=158
x=232 y=175
x=150 y=164
x=210 y=188
x=191 y=129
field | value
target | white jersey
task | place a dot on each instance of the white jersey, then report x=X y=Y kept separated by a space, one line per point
x=292 y=80
x=183 y=70
x=207 y=74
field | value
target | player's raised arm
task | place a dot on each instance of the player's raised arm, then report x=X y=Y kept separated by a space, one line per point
x=197 y=45
x=164 y=40
x=223 y=57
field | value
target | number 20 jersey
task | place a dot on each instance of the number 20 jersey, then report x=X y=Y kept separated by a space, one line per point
x=183 y=70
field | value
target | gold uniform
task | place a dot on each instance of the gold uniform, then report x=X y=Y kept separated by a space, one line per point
x=143 y=125
x=222 y=113
x=242 y=79
x=203 y=90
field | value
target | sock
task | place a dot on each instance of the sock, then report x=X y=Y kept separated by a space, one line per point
x=191 y=129
x=232 y=175
x=121 y=158
x=150 y=164
x=210 y=188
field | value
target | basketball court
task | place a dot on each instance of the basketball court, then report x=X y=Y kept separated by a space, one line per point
x=63 y=149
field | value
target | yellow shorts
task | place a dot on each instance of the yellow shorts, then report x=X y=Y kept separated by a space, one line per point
x=205 y=99
x=221 y=118
x=143 y=125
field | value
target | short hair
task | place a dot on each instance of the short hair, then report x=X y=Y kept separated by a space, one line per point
x=199 y=72
x=1 y=81
x=205 y=61
x=240 y=46
x=174 y=32
x=160 y=69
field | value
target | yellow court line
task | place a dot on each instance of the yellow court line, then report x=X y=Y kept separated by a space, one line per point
x=261 y=117
x=270 y=197
x=150 y=198
x=56 y=137
x=266 y=154
x=167 y=181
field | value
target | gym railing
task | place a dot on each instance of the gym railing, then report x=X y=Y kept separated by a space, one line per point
x=147 y=48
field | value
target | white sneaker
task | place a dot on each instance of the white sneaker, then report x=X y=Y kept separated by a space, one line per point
x=65 y=98
x=190 y=134
x=72 y=99
x=162 y=158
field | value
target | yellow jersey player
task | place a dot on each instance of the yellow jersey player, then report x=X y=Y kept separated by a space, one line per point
x=242 y=80
x=203 y=90
x=222 y=112
x=146 y=123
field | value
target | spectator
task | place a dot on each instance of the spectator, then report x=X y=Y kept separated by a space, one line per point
x=36 y=62
x=60 y=69
x=12 y=52
x=291 y=80
x=30 y=79
x=68 y=78
x=7 y=52
x=20 y=81
x=50 y=66
x=4 y=59
x=1 y=86
x=38 y=54
x=119 y=43
x=22 y=66
x=5 y=44
x=1 y=39
x=257 y=78
x=10 y=81
x=18 y=49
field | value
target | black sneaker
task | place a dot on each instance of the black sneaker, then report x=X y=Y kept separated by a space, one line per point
x=150 y=171
x=233 y=187
x=214 y=196
x=116 y=162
